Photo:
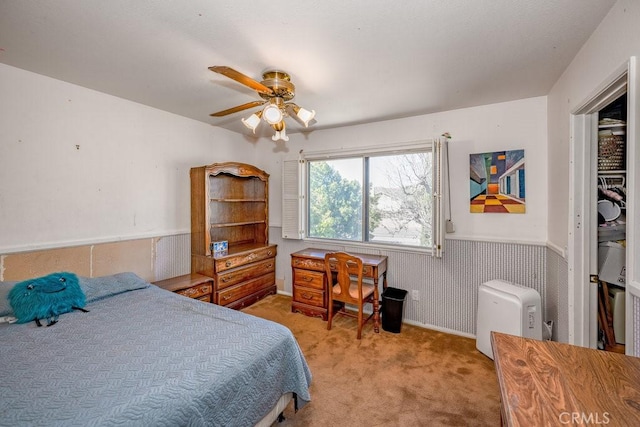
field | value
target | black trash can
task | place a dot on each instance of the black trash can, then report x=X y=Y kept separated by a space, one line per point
x=392 y=308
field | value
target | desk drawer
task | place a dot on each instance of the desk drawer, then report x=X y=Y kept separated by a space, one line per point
x=308 y=279
x=197 y=291
x=367 y=271
x=308 y=296
x=308 y=264
x=318 y=265
x=231 y=277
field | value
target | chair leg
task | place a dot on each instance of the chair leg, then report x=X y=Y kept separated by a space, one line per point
x=360 y=315
x=330 y=316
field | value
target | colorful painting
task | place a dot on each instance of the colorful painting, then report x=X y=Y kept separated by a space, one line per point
x=497 y=182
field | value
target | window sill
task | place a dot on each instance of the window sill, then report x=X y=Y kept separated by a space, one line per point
x=369 y=246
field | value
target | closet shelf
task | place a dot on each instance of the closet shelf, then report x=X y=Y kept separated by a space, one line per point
x=614 y=125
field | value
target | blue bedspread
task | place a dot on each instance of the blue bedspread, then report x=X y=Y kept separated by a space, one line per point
x=148 y=357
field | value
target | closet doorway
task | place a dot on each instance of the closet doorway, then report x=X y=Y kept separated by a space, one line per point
x=584 y=329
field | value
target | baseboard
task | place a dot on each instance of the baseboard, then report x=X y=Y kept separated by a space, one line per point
x=439 y=329
x=411 y=322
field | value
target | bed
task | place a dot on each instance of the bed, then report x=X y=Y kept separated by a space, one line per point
x=147 y=357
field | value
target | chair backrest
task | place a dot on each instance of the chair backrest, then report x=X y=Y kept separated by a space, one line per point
x=347 y=268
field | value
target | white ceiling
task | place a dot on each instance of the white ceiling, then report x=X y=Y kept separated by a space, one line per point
x=352 y=61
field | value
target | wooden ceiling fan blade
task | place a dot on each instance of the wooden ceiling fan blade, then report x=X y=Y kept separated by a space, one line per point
x=241 y=78
x=238 y=108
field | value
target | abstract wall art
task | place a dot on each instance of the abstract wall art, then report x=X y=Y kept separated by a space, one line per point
x=497 y=182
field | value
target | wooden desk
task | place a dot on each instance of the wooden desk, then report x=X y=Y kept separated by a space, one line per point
x=309 y=282
x=545 y=383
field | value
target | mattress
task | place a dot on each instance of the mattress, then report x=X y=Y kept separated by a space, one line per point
x=143 y=356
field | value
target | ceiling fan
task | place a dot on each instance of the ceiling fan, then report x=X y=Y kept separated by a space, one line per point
x=277 y=91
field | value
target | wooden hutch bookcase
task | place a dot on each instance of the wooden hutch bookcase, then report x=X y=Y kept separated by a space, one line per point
x=230 y=202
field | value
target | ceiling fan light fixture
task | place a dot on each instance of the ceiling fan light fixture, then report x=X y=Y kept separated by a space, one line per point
x=272 y=114
x=276 y=90
x=280 y=135
x=278 y=126
x=305 y=116
x=253 y=121
x=281 y=132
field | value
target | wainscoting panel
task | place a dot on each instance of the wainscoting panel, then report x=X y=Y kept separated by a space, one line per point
x=172 y=256
x=447 y=287
x=557 y=299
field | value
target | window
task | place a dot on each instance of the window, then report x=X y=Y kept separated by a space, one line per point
x=401 y=203
x=382 y=196
x=385 y=199
x=336 y=197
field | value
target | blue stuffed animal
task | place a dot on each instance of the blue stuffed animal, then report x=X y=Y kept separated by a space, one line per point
x=46 y=297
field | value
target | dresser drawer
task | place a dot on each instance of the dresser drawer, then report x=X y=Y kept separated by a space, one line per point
x=247 y=301
x=308 y=279
x=234 y=293
x=308 y=296
x=197 y=291
x=234 y=261
x=241 y=274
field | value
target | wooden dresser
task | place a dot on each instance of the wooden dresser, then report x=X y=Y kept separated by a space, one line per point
x=243 y=276
x=309 y=281
x=230 y=202
x=190 y=285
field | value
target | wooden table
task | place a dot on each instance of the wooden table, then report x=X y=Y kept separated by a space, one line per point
x=310 y=284
x=545 y=383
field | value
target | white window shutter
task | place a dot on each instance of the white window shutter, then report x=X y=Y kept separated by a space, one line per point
x=293 y=199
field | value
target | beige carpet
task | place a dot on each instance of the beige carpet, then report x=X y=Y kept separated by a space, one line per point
x=418 y=377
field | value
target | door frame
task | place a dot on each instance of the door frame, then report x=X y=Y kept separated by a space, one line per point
x=583 y=324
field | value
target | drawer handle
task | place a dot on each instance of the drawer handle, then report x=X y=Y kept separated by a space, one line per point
x=269 y=253
x=308 y=278
x=270 y=265
x=228 y=263
x=226 y=279
x=226 y=297
x=307 y=296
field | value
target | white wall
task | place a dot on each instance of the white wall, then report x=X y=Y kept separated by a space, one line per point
x=504 y=126
x=616 y=39
x=80 y=166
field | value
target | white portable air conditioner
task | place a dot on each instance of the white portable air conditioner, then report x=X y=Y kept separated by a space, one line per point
x=508 y=308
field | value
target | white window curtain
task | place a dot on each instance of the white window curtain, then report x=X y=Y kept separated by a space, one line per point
x=294 y=187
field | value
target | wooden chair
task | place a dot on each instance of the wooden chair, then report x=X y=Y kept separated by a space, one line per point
x=343 y=288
